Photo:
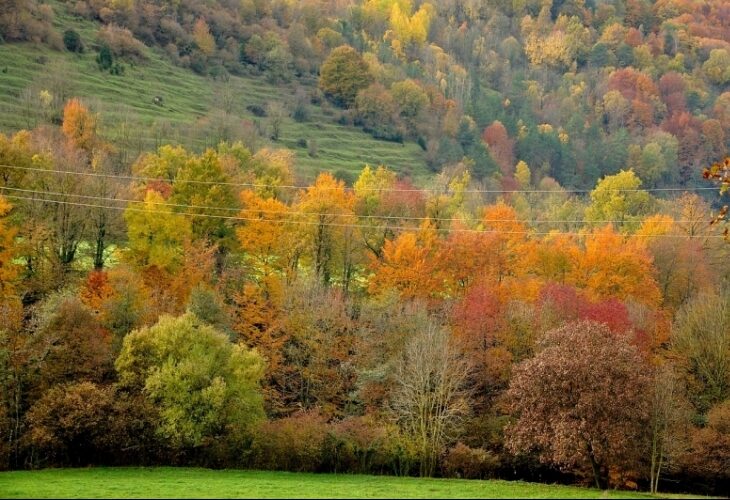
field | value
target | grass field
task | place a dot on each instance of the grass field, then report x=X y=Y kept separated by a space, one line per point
x=187 y=115
x=169 y=482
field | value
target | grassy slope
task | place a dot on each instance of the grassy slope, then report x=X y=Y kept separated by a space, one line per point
x=203 y=483
x=188 y=98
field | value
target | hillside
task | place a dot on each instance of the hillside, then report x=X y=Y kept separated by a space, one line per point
x=196 y=111
x=577 y=90
x=529 y=281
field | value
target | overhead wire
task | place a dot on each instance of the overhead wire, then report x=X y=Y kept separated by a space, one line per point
x=383 y=190
x=331 y=224
x=318 y=214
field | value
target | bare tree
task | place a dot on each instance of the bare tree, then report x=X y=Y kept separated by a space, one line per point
x=276 y=113
x=430 y=398
x=669 y=422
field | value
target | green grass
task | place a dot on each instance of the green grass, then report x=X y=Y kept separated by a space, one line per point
x=167 y=482
x=130 y=118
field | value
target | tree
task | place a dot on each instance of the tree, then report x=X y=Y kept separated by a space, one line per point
x=202 y=182
x=79 y=125
x=343 y=74
x=155 y=233
x=407 y=266
x=329 y=233
x=701 y=337
x=615 y=266
x=669 y=421
x=717 y=67
x=501 y=147
x=378 y=112
x=708 y=455
x=617 y=199
x=8 y=250
x=69 y=343
x=203 y=39
x=82 y=423
x=581 y=403
x=205 y=387
x=430 y=398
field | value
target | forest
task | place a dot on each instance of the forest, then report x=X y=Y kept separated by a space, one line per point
x=549 y=301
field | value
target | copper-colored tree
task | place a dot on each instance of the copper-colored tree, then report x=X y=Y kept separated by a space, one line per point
x=581 y=403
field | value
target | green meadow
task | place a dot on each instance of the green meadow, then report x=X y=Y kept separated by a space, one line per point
x=168 y=482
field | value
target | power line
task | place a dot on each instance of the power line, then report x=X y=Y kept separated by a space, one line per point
x=383 y=190
x=346 y=225
x=321 y=214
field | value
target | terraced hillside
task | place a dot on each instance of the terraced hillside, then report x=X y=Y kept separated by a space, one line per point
x=156 y=102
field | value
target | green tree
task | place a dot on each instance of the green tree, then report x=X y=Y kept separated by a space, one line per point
x=343 y=74
x=717 y=67
x=204 y=386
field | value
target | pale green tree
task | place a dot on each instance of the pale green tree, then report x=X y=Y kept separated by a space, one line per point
x=204 y=386
x=619 y=199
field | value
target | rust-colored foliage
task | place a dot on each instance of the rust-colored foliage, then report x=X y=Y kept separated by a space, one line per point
x=581 y=402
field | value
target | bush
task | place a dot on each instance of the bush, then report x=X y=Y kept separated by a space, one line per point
x=301 y=112
x=293 y=443
x=469 y=463
x=356 y=445
x=72 y=41
x=121 y=42
x=256 y=110
x=105 y=58
x=85 y=423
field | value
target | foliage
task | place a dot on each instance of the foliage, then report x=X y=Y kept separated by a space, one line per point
x=205 y=387
x=343 y=74
x=559 y=399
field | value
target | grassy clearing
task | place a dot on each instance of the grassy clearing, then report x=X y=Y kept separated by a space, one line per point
x=167 y=482
x=187 y=115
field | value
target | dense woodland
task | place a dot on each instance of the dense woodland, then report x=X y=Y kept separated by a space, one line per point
x=552 y=304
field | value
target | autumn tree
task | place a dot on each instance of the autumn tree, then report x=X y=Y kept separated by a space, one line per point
x=501 y=147
x=310 y=351
x=669 y=423
x=708 y=455
x=581 y=403
x=203 y=39
x=614 y=265
x=343 y=74
x=8 y=270
x=407 y=266
x=479 y=325
x=201 y=182
x=156 y=234
x=69 y=344
x=79 y=125
x=328 y=228
x=430 y=398
x=618 y=200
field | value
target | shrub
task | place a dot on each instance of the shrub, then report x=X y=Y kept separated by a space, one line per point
x=105 y=58
x=356 y=445
x=256 y=110
x=86 y=423
x=121 y=42
x=72 y=41
x=293 y=443
x=469 y=463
